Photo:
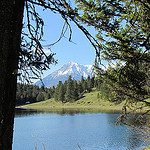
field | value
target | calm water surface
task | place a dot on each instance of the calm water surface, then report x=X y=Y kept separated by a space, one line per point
x=95 y=131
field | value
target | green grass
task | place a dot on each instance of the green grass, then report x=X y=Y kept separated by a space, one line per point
x=89 y=103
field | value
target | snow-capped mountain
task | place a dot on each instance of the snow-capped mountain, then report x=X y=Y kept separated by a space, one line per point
x=75 y=70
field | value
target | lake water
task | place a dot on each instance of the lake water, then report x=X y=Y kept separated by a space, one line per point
x=64 y=131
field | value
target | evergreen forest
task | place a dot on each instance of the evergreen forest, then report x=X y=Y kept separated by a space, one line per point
x=69 y=91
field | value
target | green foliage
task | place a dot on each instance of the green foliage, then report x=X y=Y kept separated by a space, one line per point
x=85 y=85
x=32 y=93
x=61 y=96
x=75 y=91
x=87 y=103
x=123 y=32
x=80 y=87
x=40 y=97
x=122 y=27
x=98 y=95
x=120 y=83
x=71 y=90
x=89 y=84
x=57 y=90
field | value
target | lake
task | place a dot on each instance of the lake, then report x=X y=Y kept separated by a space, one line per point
x=72 y=131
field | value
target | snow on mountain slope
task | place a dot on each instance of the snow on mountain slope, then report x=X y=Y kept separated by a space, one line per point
x=62 y=74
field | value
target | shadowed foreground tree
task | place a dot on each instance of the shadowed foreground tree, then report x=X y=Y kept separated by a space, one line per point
x=123 y=31
x=11 y=15
x=21 y=51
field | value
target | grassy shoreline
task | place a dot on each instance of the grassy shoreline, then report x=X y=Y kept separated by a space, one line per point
x=89 y=103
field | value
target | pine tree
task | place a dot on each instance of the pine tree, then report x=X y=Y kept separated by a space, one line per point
x=57 y=90
x=92 y=82
x=89 y=86
x=56 y=94
x=69 y=90
x=82 y=81
x=80 y=88
x=61 y=96
x=85 y=85
x=75 y=92
x=40 y=97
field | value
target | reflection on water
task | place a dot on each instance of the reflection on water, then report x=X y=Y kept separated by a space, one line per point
x=61 y=111
x=65 y=130
x=19 y=112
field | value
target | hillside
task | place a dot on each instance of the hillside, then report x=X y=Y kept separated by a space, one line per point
x=88 y=103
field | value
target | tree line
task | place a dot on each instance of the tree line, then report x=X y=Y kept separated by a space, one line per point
x=69 y=91
x=28 y=93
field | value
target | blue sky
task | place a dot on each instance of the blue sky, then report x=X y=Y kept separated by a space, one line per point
x=80 y=51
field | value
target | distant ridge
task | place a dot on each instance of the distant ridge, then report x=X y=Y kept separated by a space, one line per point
x=74 y=69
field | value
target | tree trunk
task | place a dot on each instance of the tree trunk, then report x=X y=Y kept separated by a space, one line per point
x=11 y=15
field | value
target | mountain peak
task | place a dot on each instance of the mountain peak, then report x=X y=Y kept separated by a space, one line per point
x=72 y=63
x=62 y=74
